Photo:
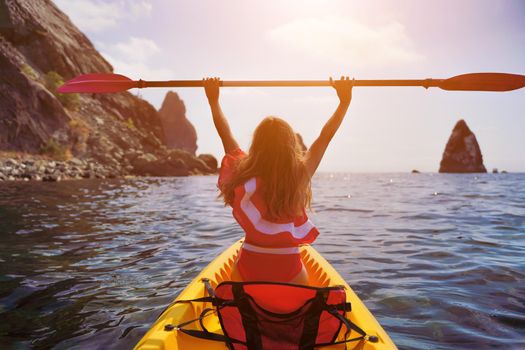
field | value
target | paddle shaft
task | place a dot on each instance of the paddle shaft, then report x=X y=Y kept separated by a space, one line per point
x=290 y=83
x=110 y=82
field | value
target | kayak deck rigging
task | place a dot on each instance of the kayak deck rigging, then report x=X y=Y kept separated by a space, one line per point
x=321 y=274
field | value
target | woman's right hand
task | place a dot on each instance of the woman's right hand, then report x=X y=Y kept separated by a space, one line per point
x=211 y=87
x=343 y=88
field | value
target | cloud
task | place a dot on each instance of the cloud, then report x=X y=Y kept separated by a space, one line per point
x=134 y=58
x=98 y=15
x=347 y=40
x=138 y=49
x=138 y=70
x=140 y=8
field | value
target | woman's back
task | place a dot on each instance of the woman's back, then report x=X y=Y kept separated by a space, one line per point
x=270 y=251
x=269 y=188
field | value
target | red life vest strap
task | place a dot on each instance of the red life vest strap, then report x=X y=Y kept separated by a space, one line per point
x=269 y=250
x=267 y=315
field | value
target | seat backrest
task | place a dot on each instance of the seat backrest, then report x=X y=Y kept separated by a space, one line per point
x=279 y=316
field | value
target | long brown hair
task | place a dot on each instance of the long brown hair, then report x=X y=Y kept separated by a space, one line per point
x=277 y=159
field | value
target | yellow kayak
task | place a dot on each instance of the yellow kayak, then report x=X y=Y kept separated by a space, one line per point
x=162 y=336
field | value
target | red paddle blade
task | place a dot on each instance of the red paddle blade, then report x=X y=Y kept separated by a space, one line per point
x=96 y=83
x=484 y=82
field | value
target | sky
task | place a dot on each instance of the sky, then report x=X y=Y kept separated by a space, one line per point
x=386 y=129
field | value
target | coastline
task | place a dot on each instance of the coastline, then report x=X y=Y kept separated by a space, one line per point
x=18 y=166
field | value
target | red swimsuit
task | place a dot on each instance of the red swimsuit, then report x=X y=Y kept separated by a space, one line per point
x=270 y=251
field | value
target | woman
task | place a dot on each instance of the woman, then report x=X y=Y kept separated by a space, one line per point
x=269 y=189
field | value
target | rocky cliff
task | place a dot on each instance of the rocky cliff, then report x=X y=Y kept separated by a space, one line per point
x=179 y=133
x=39 y=49
x=462 y=153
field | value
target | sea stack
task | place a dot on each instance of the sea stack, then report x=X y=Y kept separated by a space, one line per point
x=47 y=136
x=301 y=142
x=462 y=153
x=179 y=133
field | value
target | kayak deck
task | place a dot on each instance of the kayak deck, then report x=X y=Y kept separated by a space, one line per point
x=320 y=272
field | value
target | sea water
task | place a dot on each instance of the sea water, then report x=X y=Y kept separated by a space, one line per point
x=439 y=259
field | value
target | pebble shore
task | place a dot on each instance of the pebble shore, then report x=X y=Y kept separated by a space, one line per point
x=51 y=170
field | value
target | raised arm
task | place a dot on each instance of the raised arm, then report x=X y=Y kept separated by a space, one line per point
x=211 y=87
x=316 y=151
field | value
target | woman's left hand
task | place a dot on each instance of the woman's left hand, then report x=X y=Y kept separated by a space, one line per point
x=211 y=87
x=343 y=88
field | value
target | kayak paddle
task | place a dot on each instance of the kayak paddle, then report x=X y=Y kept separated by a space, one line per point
x=108 y=82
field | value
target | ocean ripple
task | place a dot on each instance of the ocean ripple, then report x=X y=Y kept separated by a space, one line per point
x=438 y=258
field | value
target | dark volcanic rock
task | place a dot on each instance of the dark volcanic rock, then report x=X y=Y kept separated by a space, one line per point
x=48 y=39
x=179 y=133
x=173 y=163
x=29 y=113
x=301 y=142
x=141 y=162
x=38 y=40
x=163 y=167
x=109 y=134
x=196 y=165
x=210 y=161
x=462 y=153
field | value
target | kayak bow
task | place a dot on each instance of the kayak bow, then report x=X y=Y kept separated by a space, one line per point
x=320 y=272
